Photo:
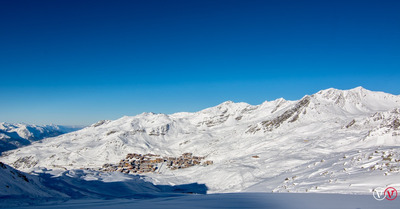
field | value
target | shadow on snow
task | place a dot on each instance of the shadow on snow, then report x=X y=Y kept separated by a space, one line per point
x=132 y=186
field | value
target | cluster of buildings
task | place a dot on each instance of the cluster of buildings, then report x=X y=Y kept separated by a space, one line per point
x=138 y=163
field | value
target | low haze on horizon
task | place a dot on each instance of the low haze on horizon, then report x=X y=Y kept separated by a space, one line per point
x=77 y=62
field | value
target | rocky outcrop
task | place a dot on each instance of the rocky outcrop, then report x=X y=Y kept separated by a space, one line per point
x=290 y=115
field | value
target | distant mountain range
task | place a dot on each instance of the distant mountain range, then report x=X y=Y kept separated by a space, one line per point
x=15 y=135
x=339 y=141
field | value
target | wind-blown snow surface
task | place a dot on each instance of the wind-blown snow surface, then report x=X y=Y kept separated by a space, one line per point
x=333 y=141
x=14 y=135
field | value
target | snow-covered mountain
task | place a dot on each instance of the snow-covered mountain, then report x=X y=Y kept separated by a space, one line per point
x=344 y=141
x=14 y=135
x=17 y=187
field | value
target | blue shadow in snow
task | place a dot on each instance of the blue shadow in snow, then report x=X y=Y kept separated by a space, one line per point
x=133 y=186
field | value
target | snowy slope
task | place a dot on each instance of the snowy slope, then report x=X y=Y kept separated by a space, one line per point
x=276 y=146
x=16 y=186
x=19 y=189
x=14 y=135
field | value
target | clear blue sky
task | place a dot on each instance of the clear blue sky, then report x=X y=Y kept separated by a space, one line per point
x=76 y=62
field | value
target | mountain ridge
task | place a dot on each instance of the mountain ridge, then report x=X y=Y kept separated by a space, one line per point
x=15 y=135
x=249 y=144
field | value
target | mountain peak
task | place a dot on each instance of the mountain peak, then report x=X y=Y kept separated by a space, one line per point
x=358 y=88
x=333 y=93
x=229 y=102
x=358 y=99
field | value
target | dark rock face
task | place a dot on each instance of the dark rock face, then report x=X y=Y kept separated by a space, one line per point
x=292 y=114
x=2 y=165
x=395 y=124
x=159 y=131
x=216 y=120
x=351 y=123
